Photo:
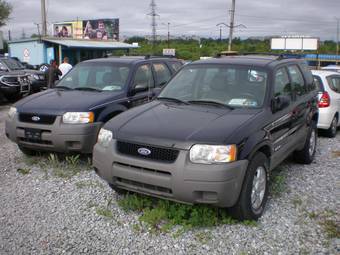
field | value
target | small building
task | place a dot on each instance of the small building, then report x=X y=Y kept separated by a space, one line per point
x=37 y=51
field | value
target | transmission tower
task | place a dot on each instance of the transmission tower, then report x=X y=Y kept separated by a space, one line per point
x=153 y=15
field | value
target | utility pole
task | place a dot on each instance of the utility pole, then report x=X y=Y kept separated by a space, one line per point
x=43 y=18
x=38 y=28
x=9 y=35
x=153 y=15
x=337 y=37
x=231 y=26
x=168 y=35
x=220 y=25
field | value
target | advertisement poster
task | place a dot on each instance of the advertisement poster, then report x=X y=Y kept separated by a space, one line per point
x=101 y=29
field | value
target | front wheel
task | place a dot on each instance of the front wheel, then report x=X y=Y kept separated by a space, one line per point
x=331 y=132
x=254 y=193
x=306 y=155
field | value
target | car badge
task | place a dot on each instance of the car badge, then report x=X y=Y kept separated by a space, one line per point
x=35 y=118
x=144 y=151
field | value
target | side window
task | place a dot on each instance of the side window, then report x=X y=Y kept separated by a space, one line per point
x=334 y=83
x=175 y=66
x=309 y=77
x=298 y=82
x=143 y=77
x=318 y=83
x=282 y=85
x=163 y=74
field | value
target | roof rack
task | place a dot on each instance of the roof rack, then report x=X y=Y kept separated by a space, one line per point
x=279 y=56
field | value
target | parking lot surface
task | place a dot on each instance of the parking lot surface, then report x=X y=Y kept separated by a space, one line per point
x=42 y=212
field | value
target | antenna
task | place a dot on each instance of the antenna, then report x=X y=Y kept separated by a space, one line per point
x=153 y=15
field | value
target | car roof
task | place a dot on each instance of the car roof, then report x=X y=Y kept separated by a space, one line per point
x=253 y=60
x=324 y=73
x=127 y=59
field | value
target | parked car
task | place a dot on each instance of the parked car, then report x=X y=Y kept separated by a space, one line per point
x=68 y=117
x=37 y=78
x=329 y=101
x=13 y=83
x=214 y=133
x=332 y=68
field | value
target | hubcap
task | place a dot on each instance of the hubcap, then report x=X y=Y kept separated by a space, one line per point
x=259 y=187
x=312 y=141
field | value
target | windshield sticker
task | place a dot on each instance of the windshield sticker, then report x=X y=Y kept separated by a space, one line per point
x=111 y=88
x=242 y=102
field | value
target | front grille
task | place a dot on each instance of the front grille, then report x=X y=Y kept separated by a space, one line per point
x=10 y=80
x=157 y=153
x=142 y=169
x=134 y=184
x=37 y=118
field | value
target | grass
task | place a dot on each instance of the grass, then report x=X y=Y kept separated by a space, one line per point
x=23 y=171
x=163 y=215
x=62 y=166
x=105 y=212
x=331 y=228
x=278 y=182
x=88 y=184
x=203 y=237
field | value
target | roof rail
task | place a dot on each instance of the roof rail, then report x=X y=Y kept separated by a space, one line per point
x=279 y=56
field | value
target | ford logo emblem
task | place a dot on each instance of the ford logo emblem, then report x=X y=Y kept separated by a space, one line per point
x=144 y=151
x=35 y=118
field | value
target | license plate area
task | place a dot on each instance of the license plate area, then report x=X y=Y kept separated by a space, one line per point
x=33 y=134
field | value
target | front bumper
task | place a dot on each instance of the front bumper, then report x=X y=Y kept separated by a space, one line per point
x=57 y=137
x=181 y=181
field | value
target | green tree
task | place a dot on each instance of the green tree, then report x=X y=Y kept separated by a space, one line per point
x=5 y=11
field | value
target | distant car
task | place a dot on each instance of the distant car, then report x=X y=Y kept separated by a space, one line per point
x=14 y=84
x=332 y=68
x=68 y=117
x=329 y=101
x=214 y=133
x=37 y=78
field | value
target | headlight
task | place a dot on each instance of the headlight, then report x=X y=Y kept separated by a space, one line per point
x=11 y=113
x=34 y=76
x=104 y=137
x=78 y=117
x=211 y=154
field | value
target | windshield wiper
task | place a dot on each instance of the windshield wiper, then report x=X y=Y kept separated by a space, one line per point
x=172 y=99
x=87 y=89
x=63 y=87
x=210 y=103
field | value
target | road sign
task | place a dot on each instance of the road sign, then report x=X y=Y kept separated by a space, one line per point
x=26 y=55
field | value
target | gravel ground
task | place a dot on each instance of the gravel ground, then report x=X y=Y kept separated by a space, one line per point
x=44 y=214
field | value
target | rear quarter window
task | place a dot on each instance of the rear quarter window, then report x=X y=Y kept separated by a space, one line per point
x=334 y=83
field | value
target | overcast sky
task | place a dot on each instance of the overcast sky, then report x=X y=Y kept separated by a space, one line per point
x=188 y=17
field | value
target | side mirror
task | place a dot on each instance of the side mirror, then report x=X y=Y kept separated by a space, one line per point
x=138 y=89
x=280 y=102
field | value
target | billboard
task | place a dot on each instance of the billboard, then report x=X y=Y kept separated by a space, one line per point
x=294 y=43
x=99 y=29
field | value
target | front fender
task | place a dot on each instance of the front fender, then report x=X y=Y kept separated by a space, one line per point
x=109 y=110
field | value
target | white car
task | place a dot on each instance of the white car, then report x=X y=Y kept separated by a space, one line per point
x=332 y=68
x=329 y=100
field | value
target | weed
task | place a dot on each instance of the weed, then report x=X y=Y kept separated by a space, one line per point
x=331 y=228
x=91 y=204
x=135 y=203
x=136 y=228
x=312 y=215
x=104 y=212
x=297 y=202
x=23 y=171
x=73 y=160
x=203 y=237
x=249 y=223
x=277 y=182
x=88 y=184
x=53 y=160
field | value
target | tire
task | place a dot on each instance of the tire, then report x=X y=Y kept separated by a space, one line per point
x=118 y=190
x=27 y=152
x=251 y=203
x=306 y=155
x=331 y=132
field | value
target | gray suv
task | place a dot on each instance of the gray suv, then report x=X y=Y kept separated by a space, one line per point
x=214 y=133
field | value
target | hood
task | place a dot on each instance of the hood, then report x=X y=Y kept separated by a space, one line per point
x=180 y=126
x=31 y=71
x=15 y=72
x=57 y=102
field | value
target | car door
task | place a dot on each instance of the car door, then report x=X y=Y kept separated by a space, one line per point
x=143 y=84
x=281 y=122
x=162 y=75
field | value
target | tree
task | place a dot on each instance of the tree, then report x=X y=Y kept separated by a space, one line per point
x=5 y=11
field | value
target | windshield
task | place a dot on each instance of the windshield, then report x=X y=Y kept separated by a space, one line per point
x=13 y=64
x=234 y=86
x=96 y=77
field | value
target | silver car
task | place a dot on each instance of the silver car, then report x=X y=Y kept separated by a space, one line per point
x=329 y=100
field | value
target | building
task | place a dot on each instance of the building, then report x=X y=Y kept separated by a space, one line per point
x=37 y=51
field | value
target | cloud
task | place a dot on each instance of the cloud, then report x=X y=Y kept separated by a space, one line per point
x=195 y=17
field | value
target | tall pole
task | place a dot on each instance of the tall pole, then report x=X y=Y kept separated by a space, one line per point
x=9 y=35
x=231 y=26
x=220 y=34
x=337 y=37
x=43 y=18
x=168 y=35
x=153 y=15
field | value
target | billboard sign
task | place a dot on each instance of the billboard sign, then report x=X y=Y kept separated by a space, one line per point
x=169 y=52
x=294 y=43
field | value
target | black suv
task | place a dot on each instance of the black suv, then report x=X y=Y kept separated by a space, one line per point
x=37 y=79
x=214 y=133
x=68 y=117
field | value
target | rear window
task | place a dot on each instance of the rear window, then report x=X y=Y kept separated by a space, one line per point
x=318 y=83
x=334 y=83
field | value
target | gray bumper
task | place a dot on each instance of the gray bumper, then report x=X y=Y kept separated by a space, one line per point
x=57 y=137
x=182 y=181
